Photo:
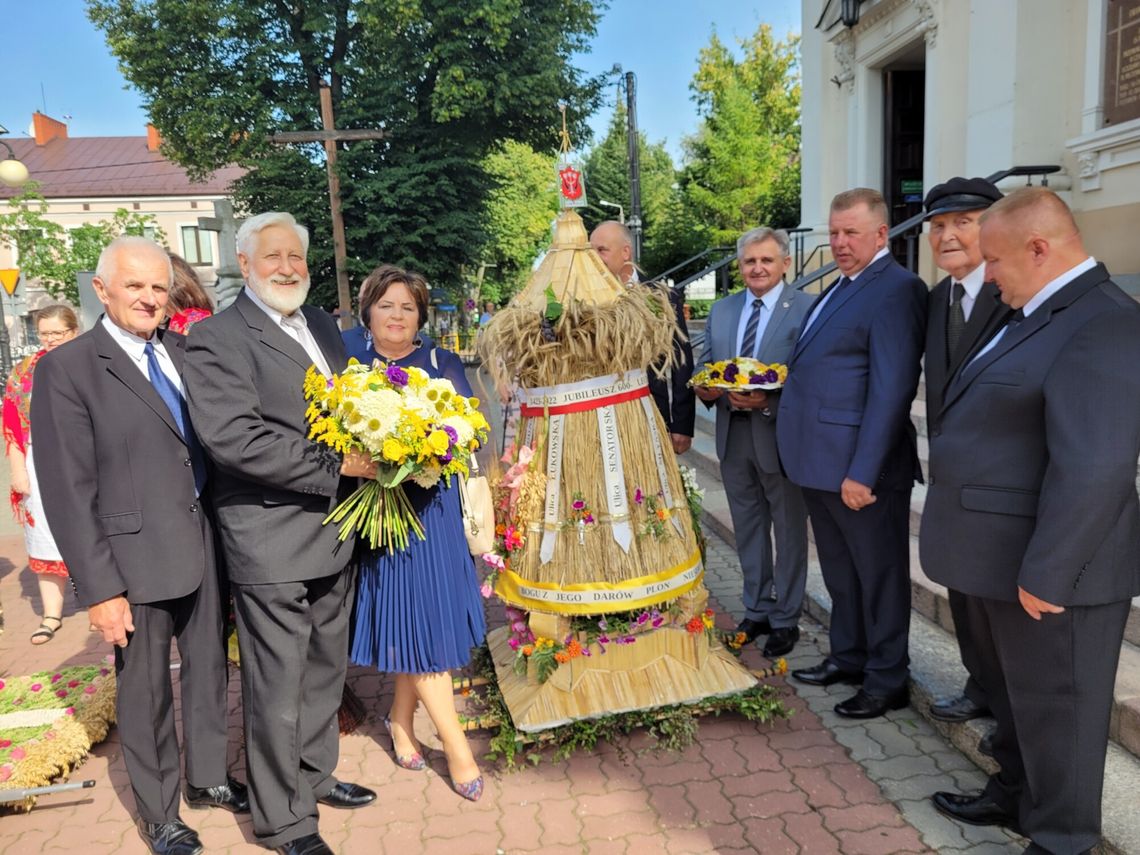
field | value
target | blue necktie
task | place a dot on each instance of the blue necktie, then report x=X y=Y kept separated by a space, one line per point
x=748 y=343
x=177 y=406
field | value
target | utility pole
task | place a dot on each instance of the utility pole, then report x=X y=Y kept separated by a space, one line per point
x=330 y=136
x=634 y=221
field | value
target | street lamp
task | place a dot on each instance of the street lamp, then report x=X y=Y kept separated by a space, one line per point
x=12 y=171
x=620 y=209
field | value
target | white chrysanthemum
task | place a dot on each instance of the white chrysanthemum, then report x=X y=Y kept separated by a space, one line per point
x=428 y=476
x=440 y=389
x=379 y=412
x=415 y=402
x=461 y=427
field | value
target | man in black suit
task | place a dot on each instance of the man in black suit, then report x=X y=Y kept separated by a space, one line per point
x=671 y=391
x=964 y=312
x=845 y=436
x=1033 y=515
x=123 y=484
x=292 y=590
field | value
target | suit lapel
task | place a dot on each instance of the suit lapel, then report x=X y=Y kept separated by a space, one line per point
x=329 y=347
x=837 y=301
x=989 y=313
x=734 y=308
x=270 y=333
x=1015 y=336
x=122 y=368
x=780 y=312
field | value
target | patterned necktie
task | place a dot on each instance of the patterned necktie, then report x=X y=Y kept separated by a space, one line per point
x=748 y=343
x=955 y=321
x=177 y=406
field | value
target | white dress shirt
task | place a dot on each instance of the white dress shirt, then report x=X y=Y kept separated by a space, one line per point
x=819 y=306
x=299 y=333
x=770 y=300
x=971 y=286
x=135 y=348
x=1040 y=297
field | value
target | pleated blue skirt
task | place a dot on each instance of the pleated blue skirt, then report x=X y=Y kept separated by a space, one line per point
x=419 y=610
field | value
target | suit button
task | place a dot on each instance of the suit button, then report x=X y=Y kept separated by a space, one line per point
x=936 y=432
x=187 y=462
x=194 y=509
x=930 y=480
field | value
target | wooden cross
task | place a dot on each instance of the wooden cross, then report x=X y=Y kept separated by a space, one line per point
x=330 y=136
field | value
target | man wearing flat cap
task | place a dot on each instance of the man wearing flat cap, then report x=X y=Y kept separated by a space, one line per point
x=964 y=312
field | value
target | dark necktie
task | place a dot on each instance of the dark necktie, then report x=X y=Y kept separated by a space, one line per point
x=177 y=406
x=748 y=343
x=955 y=321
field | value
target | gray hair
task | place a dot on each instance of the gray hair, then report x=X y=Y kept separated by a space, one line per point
x=251 y=228
x=107 y=265
x=761 y=234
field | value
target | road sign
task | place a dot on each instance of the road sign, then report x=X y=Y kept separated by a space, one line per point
x=9 y=277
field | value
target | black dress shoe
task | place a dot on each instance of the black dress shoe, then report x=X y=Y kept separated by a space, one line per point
x=752 y=629
x=347 y=796
x=232 y=796
x=826 y=673
x=865 y=705
x=986 y=744
x=978 y=809
x=960 y=708
x=781 y=642
x=170 y=838
x=310 y=844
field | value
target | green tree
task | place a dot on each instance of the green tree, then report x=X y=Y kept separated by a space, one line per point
x=520 y=208
x=54 y=255
x=607 y=177
x=743 y=164
x=446 y=79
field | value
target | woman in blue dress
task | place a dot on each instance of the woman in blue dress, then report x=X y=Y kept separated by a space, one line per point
x=418 y=611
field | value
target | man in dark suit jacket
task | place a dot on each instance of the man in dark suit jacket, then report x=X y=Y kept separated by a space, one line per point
x=845 y=436
x=964 y=312
x=123 y=484
x=671 y=391
x=760 y=322
x=292 y=592
x=1033 y=515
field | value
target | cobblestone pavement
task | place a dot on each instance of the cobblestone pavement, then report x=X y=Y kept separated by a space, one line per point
x=811 y=784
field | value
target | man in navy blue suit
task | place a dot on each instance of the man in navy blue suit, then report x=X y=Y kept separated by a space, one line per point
x=845 y=436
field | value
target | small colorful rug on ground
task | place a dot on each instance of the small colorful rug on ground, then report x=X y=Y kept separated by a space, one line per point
x=48 y=723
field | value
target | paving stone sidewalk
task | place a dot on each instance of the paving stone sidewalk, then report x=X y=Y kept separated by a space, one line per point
x=811 y=784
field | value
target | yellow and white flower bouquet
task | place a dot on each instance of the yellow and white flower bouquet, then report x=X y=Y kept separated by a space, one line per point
x=741 y=373
x=414 y=426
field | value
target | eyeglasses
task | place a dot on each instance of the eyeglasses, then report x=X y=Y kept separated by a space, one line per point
x=55 y=336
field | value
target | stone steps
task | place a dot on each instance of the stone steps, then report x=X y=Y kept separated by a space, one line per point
x=936 y=669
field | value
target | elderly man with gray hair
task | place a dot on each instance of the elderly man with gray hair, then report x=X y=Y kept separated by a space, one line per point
x=127 y=492
x=292 y=587
x=760 y=322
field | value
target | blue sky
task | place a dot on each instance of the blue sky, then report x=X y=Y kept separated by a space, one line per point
x=56 y=61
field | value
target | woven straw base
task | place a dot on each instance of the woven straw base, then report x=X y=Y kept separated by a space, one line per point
x=664 y=667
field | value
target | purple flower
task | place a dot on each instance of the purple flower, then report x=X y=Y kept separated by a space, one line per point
x=61 y=693
x=603 y=625
x=1 y=685
x=770 y=376
x=578 y=504
x=452 y=434
x=638 y=496
x=55 y=678
x=657 y=618
x=589 y=518
x=514 y=643
x=756 y=378
x=730 y=371
x=642 y=618
x=4 y=743
x=397 y=376
x=35 y=687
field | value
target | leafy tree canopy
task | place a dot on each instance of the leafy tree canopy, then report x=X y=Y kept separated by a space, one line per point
x=446 y=79
x=743 y=164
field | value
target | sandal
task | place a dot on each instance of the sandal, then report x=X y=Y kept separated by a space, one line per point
x=46 y=633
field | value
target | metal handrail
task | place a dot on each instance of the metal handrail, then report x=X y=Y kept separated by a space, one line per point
x=908 y=224
x=663 y=276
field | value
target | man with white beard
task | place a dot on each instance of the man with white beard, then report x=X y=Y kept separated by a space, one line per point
x=244 y=372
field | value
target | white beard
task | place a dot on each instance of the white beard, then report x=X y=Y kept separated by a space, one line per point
x=285 y=301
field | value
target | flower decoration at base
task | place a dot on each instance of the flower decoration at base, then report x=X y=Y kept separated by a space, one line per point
x=415 y=427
